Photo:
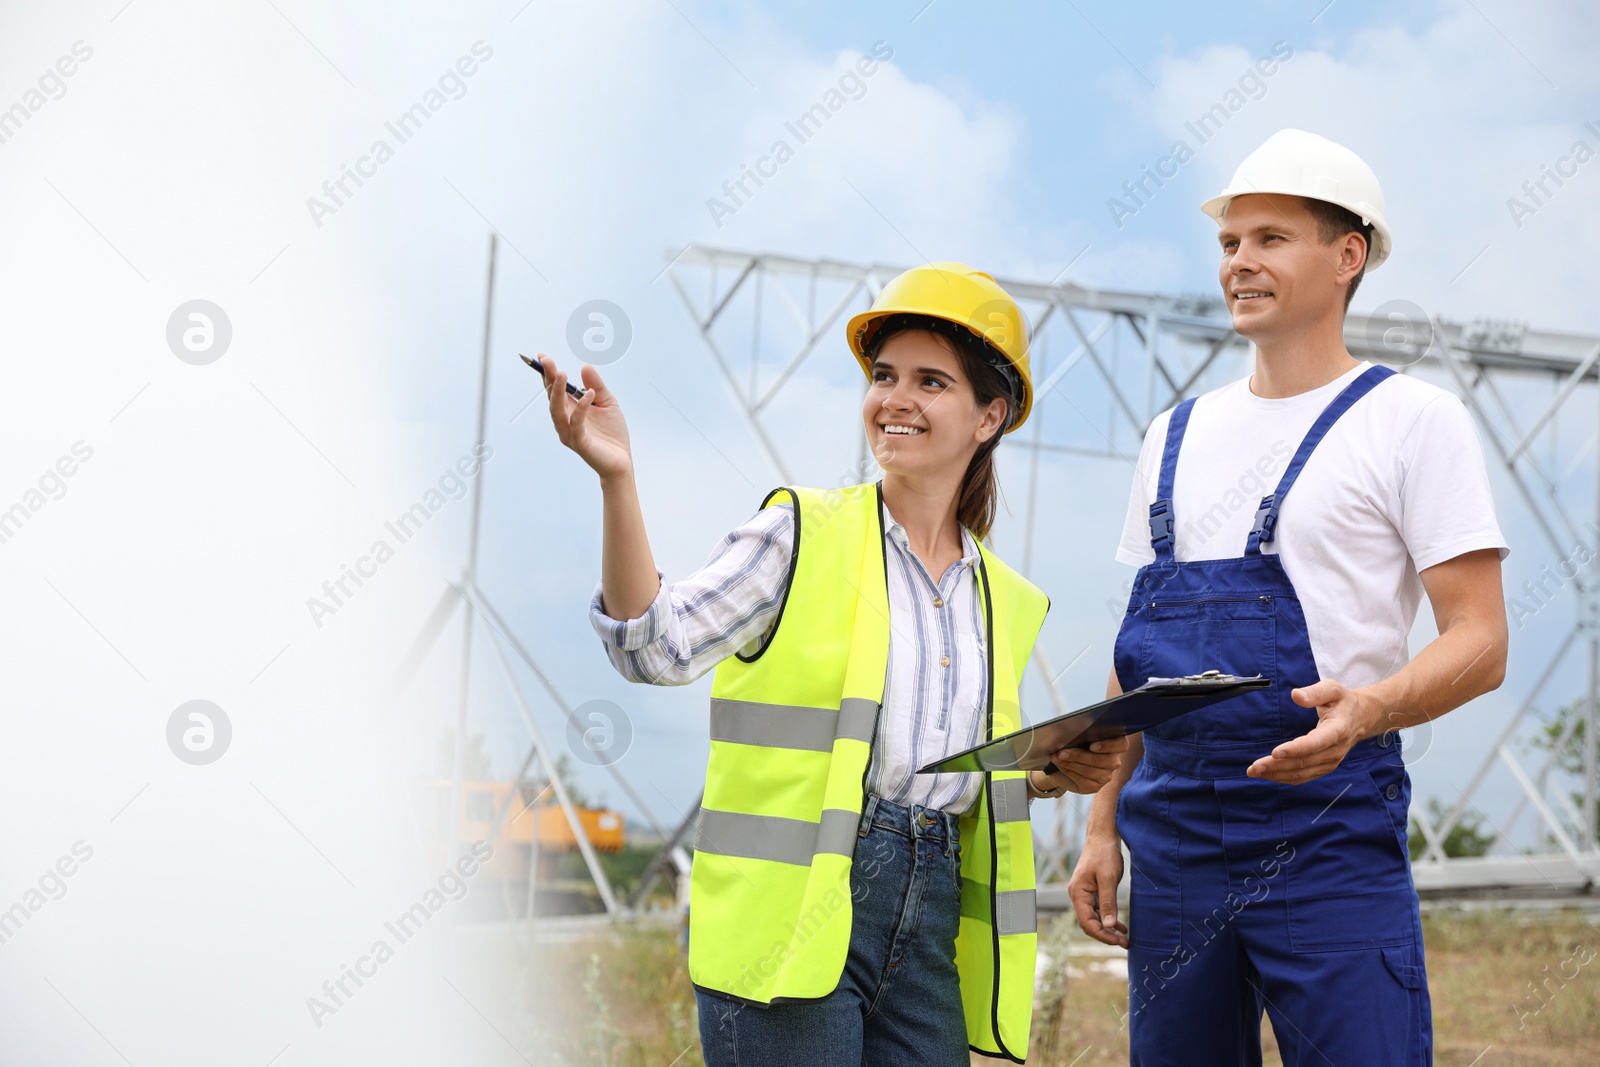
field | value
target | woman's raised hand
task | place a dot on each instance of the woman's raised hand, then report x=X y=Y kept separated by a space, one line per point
x=592 y=427
x=1083 y=770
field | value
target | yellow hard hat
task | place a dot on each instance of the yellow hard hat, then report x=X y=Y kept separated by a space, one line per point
x=970 y=299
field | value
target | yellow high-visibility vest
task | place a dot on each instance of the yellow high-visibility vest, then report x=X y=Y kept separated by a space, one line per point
x=792 y=727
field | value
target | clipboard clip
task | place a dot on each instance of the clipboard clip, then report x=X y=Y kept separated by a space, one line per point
x=1204 y=678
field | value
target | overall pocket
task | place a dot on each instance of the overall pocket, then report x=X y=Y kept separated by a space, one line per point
x=1232 y=634
x=1144 y=819
x=1349 y=883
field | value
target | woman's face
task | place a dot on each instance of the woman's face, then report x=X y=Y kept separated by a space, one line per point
x=921 y=414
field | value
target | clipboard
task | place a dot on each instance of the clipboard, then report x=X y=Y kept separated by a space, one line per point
x=1157 y=701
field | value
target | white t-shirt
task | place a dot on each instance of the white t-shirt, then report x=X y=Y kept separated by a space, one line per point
x=1397 y=486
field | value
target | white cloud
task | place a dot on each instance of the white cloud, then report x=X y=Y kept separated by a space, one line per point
x=221 y=498
x=1453 y=121
x=1454 y=116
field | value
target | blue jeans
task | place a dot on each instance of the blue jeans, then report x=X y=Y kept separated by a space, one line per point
x=898 y=1003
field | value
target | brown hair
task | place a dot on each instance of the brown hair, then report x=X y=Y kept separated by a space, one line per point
x=981 y=362
x=1333 y=222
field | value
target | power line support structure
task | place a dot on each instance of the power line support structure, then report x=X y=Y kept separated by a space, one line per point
x=1132 y=355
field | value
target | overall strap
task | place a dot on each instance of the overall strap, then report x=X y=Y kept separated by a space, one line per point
x=1267 y=514
x=1162 y=537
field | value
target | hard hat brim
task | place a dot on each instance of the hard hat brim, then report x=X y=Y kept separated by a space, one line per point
x=862 y=328
x=969 y=299
x=1382 y=240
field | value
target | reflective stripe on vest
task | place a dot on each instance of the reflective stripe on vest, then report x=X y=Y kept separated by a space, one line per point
x=1016 y=910
x=1011 y=800
x=745 y=722
x=770 y=837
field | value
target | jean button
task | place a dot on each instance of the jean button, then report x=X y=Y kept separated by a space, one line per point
x=1392 y=791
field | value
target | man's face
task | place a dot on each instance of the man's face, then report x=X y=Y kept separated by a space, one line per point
x=1277 y=276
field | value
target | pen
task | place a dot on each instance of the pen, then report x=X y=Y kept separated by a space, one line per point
x=572 y=390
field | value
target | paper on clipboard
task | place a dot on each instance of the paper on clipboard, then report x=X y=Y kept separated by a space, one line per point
x=1157 y=701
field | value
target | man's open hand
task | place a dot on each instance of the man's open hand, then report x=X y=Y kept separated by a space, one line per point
x=1344 y=717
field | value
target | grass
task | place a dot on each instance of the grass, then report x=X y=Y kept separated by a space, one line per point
x=622 y=998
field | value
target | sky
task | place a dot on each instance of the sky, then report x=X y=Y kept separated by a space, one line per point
x=193 y=154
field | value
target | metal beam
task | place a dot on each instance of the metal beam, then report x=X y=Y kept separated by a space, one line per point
x=458 y=763
x=1167 y=333
x=597 y=872
x=481 y=602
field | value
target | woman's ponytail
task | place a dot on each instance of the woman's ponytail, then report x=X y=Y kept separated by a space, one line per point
x=980 y=491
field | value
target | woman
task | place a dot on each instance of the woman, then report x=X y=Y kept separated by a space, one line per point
x=844 y=909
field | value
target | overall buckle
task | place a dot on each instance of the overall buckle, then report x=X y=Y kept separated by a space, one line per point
x=1161 y=522
x=1266 y=519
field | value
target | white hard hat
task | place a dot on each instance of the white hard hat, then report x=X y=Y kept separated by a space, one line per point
x=1298 y=163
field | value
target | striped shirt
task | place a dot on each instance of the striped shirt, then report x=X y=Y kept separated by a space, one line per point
x=937 y=684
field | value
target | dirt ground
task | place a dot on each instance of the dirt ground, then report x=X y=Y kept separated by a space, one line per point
x=1508 y=989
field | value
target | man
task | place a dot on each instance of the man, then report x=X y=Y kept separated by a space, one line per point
x=1268 y=832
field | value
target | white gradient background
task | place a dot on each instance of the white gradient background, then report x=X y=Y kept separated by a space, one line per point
x=591 y=140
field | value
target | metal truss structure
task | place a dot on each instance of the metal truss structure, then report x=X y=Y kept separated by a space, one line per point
x=1133 y=355
x=538 y=766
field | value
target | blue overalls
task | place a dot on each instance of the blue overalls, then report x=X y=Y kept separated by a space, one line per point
x=1249 y=895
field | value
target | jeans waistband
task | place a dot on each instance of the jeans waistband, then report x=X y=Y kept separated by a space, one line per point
x=913 y=821
x=1231 y=761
